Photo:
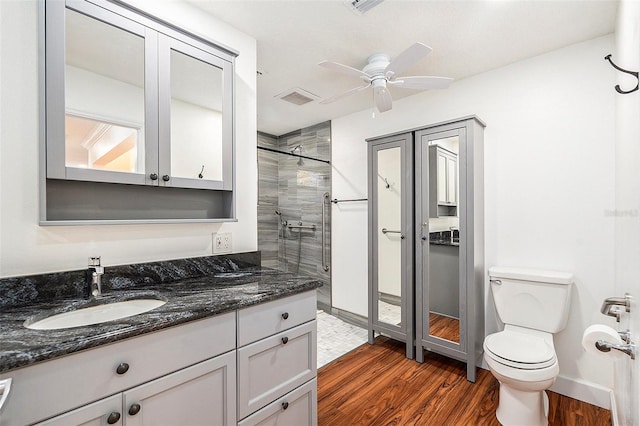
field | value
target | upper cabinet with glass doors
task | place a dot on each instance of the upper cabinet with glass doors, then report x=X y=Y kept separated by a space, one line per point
x=130 y=100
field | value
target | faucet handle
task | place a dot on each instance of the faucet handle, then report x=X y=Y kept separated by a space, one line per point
x=94 y=261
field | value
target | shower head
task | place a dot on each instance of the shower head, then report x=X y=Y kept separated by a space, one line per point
x=278 y=213
x=296 y=148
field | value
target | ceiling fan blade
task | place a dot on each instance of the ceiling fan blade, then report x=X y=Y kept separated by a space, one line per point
x=345 y=94
x=382 y=98
x=406 y=59
x=421 y=82
x=345 y=69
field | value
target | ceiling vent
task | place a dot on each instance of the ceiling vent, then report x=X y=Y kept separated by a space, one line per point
x=363 y=6
x=297 y=96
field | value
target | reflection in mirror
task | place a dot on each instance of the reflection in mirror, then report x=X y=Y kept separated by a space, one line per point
x=196 y=118
x=444 y=241
x=104 y=96
x=98 y=145
x=389 y=242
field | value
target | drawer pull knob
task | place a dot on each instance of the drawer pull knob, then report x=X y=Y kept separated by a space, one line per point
x=134 y=409
x=285 y=405
x=122 y=368
x=113 y=418
x=285 y=339
x=285 y=315
x=153 y=176
x=166 y=178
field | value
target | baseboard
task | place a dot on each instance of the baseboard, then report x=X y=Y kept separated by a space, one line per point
x=614 y=409
x=584 y=391
x=350 y=317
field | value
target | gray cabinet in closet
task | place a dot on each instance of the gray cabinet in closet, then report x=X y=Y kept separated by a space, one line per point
x=443 y=222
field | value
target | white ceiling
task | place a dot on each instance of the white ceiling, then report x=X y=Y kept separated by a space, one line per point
x=467 y=37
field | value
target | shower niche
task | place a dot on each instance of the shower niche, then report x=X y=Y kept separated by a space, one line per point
x=426 y=257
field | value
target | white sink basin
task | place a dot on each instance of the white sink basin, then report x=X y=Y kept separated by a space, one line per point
x=96 y=314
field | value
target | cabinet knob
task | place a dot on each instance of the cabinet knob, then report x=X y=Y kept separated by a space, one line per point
x=165 y=178
x=122 y=368
x=113 y=418
x=285 y=339
x=424 y=238
x=134 y=409
x=402 y=236
x=285 y=315
x=285 y=405
x=153 y=176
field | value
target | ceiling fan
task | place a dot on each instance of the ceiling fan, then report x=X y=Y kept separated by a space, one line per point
x=381 y=72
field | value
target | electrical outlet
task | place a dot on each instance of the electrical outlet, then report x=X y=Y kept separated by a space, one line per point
x=222 y=243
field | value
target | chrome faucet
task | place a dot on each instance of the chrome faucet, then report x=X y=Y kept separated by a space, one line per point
x=451 y=230
x=95 y=283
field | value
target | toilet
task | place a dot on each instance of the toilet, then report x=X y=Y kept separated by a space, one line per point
x=533 y=305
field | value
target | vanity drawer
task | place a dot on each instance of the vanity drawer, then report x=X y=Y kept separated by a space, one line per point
x=270 y=368
x=297 y=408
x=53 y=387
x=267 y=319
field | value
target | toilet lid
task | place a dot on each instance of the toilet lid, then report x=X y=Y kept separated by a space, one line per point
x=520 y=350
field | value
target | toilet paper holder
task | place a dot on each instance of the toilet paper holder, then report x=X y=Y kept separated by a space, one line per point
x=604 y=346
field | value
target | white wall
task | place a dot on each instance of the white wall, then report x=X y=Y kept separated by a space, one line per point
x=627 y=207
x=549 y=176
x=26 y=247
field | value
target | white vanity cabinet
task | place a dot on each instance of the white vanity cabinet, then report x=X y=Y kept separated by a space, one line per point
x=257 y=365
x=197 y=395
x=164 y=372
x=277 y=362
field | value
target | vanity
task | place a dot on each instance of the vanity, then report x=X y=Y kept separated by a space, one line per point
x=235 y=344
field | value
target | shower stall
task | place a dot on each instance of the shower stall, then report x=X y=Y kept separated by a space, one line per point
x=294 y=224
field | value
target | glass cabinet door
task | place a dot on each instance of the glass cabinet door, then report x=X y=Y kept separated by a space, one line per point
x=439 y=262
x=103 y=80
x=390 y=206
x=195 y=149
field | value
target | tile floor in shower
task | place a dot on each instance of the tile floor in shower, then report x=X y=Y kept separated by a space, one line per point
x=336 y=338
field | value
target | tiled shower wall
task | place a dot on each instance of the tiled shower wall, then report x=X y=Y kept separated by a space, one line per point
x=295 y=186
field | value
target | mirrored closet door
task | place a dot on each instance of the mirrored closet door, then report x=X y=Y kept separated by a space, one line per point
x=390 y=217
x=426 y=233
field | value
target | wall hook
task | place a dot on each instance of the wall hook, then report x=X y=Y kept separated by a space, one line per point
x=200 y=175
x=633 y=73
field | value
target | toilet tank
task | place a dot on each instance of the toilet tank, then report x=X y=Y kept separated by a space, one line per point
x=532 y=298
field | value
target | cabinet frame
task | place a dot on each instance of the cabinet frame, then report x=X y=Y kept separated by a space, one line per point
x=470 y=205
x=76 y=196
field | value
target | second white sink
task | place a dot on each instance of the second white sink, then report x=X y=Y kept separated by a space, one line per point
x=96 y=314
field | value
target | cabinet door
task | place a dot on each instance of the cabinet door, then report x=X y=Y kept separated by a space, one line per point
x=101 y=72
x=107 y=411
x=297 y=408
x=195 y=139
x=204 y=394
x=270 y=368
x=452 y=180
x=442 y=178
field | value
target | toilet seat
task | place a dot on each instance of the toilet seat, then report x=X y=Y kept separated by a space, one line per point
x=522 y=350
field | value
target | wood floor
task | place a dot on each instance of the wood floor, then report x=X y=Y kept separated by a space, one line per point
x=444 y=327
x=377 y=385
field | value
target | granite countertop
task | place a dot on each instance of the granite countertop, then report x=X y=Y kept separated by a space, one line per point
x=215 y=290
x=445 y=243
